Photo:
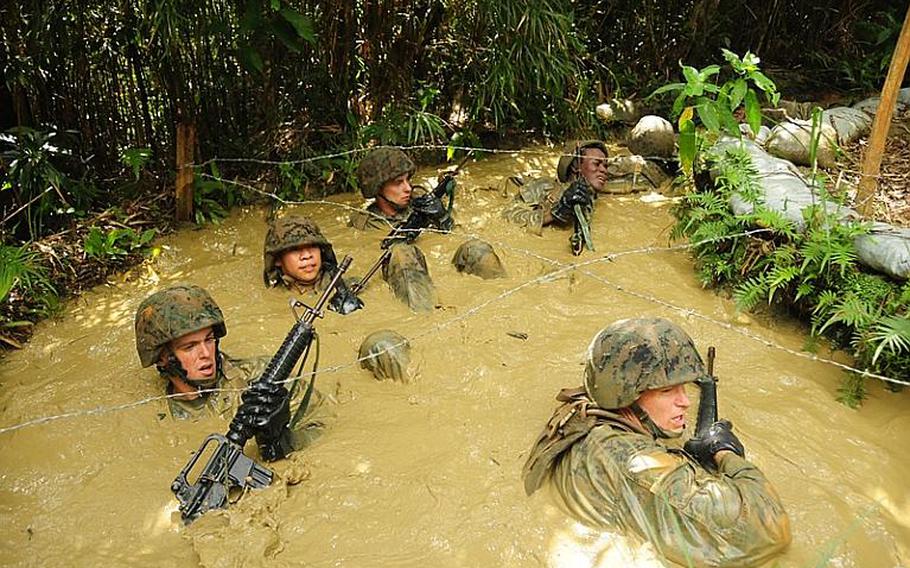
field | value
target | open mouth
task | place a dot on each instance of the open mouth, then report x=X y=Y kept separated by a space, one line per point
x=206 y=370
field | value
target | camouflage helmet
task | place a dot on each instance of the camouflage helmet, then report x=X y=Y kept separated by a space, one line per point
x=572 y=150
x=379 y=166
x=172 y=313
x=288 y=233
x=634 y=355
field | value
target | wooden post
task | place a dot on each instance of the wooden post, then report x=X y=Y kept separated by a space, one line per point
x=186 y=142
x=872 y=161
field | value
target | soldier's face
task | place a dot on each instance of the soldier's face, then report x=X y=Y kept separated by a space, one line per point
x=196 y=353
x=666 y=406
x=397 y=190
x=302 y=263
x=593 y=167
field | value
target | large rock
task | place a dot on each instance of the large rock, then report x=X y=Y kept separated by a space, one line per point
x=652 y=136
x=618 y=110
x=791 y=141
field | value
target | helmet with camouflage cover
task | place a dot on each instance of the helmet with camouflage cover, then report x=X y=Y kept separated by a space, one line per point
x=288 y=233
x=172 y=313
x=570 y=152
x=634 y=355
x=379 y=166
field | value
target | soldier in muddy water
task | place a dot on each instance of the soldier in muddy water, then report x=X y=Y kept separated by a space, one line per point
x=179 y=330
x=605 y=451
x=298 y=257
x=581 y=174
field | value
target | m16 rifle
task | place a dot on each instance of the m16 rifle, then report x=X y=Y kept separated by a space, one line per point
x=707 y=405
x=228 y=470
x=416 y=222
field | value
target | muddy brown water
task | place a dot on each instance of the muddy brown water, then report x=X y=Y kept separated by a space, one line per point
x=425 y=473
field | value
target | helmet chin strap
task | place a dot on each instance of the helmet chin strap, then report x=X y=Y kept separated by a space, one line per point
x=394 y=205
x=650 y=425
x=172 y=367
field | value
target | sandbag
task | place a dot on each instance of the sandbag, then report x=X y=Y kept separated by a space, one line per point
x=791 y=140
x=870 y=105
x=628 y=174
x=885 y=249
x=652 y=136
x=849 y=123
x=618 y=110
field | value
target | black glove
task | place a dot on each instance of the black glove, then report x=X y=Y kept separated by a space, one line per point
x=266 y=411
x=719 y=437
x=575 y=194
x=431 y=208
x=344 y=302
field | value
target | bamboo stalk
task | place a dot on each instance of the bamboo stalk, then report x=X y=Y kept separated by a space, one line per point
x=872 y=162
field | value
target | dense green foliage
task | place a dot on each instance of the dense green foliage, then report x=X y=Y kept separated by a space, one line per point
x=812 y=272
x=92 y=92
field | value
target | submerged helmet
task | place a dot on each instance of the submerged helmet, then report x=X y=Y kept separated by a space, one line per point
x=379 y=166
x=634 y=355
x=172 y=313
x=570 y=152
x=288 y=233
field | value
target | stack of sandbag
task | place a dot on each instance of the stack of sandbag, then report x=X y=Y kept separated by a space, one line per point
x=783 y=189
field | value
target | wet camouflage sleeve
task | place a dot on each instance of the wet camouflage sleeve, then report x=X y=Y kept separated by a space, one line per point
x=529 y=207
x=629 y=482
x=525 y=215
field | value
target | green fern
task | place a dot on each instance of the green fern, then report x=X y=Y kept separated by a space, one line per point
x=891 y=333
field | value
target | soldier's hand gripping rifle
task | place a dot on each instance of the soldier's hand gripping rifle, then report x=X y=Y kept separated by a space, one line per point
x=711 y=435
x=228 y=470
x=425 y=211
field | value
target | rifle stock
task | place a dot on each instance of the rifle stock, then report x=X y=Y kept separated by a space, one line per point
x=228 y=469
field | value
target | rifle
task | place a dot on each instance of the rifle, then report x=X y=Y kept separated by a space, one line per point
x=228 y=470
x=707 y=403
x=581 y=235
x=707 y=410
x=414 y=224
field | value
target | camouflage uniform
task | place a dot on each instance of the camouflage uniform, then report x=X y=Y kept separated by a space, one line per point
x=537 y=197
x=289 y=233
x=181 y=309
x=406 y=270
x=614 y=473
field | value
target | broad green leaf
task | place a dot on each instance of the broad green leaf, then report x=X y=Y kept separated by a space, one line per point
x=301 y=23
x=250 y=59
x=287 y=34
x=690 y=73
x=708 y=71
x=738 y=92
x=665 y=88
x=708 y=115
x=753 y=111
x=687 y=141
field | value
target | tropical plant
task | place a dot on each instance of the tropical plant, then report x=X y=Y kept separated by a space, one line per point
x=116 y=242
x=22 y=273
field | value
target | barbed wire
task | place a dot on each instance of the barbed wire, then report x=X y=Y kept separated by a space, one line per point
x=561 y=268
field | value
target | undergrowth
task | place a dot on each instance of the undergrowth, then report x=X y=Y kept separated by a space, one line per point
x=812 y=272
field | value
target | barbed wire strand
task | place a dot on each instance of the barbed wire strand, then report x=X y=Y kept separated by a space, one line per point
x=563 y=267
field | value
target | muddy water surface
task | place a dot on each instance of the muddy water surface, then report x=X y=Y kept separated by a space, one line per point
x=424 y=473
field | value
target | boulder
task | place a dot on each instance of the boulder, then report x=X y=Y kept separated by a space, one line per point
x=618 y=110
